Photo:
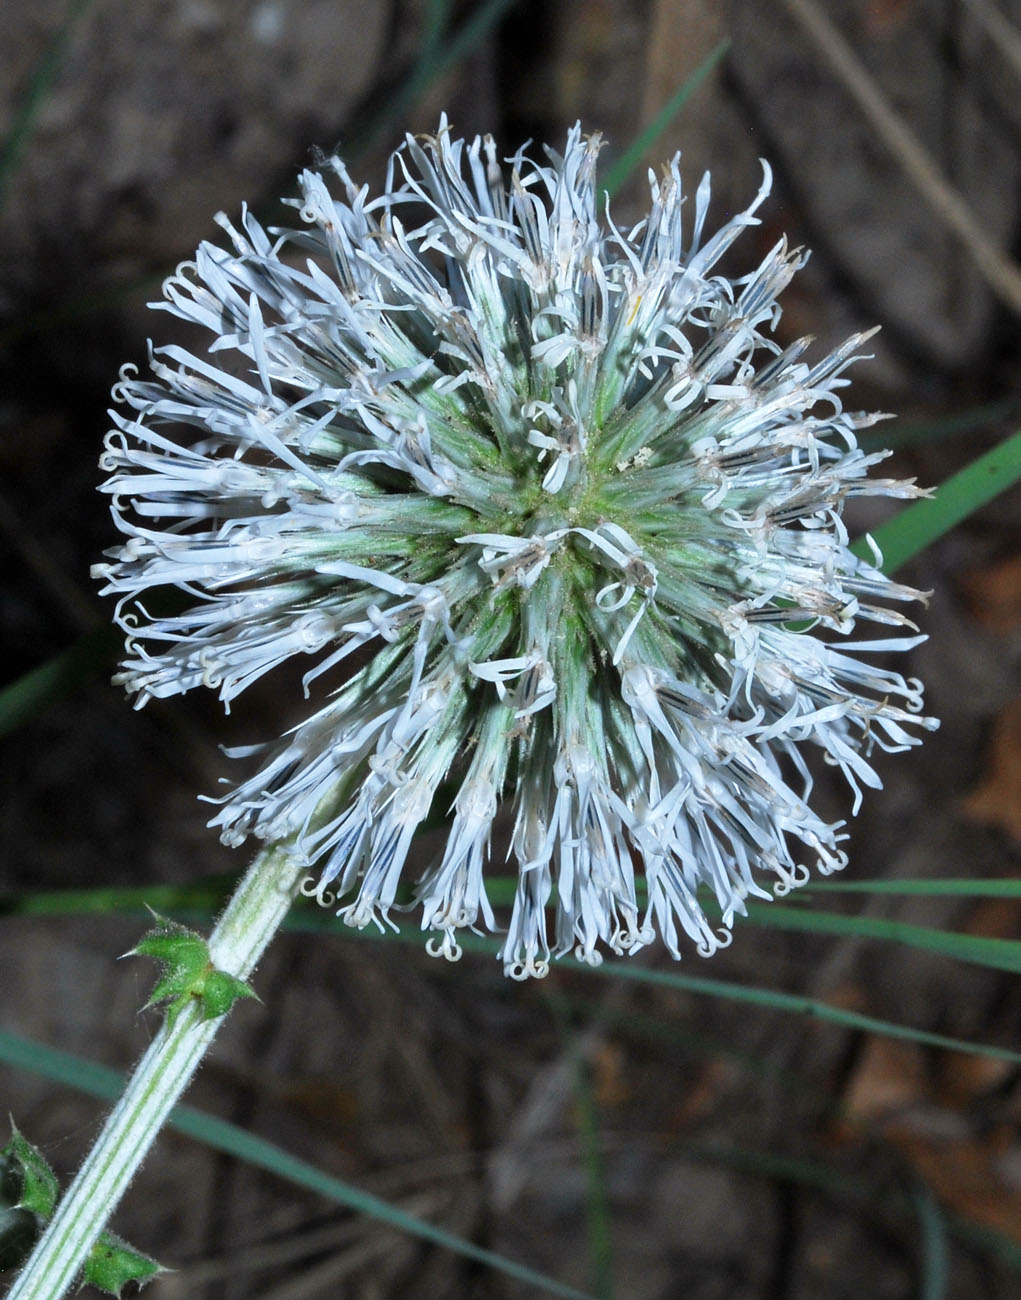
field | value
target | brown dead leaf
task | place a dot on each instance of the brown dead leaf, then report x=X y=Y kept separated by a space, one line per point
x=994 y=918
x=993 y=595
x=849 y=996
x=698 y=1103
x=885 y=18
x=609 y=1076
x=965 y=1176
x=996 y=800
x=889 y=1077
x=965 y=1079
x=890 y=1095
x=680 y=35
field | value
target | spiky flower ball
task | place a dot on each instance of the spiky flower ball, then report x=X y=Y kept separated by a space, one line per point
x=555 y=524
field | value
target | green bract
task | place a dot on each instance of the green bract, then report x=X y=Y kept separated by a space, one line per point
x=188 y=974
x=110 y=1264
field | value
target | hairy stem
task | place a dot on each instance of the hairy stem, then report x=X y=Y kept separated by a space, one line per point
x=250 y=920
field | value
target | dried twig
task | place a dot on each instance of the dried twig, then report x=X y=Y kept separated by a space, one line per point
x=1001 y=274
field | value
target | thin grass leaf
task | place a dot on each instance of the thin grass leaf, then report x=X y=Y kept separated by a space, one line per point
x=857 y=1194
x=207 y=895
x=925 y=888
x=861 y=1195
x=434 y=60
x=989 y=1241
x=775 y=1000
x=910 y=434
x=437 y=16
x=663 y=1032
x=960 y=496
x=597 y=1206
x=194 y=903
x=934 y=1243
x=232 y=1140
x=34 y=691
x=632 y=156
x=998 y=954
x=587 y=1118
x=203 y=897
x=754 y=995
x=98 y=1081
x=137 y=289
x=198 y=901
x=39 y=88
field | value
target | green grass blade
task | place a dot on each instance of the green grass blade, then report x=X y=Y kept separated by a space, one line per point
x=598 y=1210
x=934 y=1243
x=750 y=994
x=880 y=1205
x=925 y=888
x=893 y=435
x=861 y=1197
x=235 y=1141
x=208 y=894
x=437 y=16
x=998 y=954
x=501 y=888
x=923 y=523
x=990 y=1241
x=21 y=700
x=775 y=1000
x=434 y=60
x=39 y=87
x=99 y=1081
x=632 y=156
x=62 y=1067
x=587 y=1118
x=204 y=899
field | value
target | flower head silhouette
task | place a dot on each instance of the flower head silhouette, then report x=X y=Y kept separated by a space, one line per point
x=555 y=523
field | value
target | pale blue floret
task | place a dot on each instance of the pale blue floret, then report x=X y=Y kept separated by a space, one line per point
x=555 y=522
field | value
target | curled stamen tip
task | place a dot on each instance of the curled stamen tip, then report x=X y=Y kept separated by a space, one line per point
x=446 y=946
x=313 y=887
x=531 y=967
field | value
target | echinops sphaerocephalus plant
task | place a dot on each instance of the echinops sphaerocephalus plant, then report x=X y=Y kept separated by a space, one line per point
x=557 y=525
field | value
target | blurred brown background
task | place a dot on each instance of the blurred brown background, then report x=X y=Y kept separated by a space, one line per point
x=744 y=1153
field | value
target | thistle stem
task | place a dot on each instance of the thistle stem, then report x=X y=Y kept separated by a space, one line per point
x=250 y=920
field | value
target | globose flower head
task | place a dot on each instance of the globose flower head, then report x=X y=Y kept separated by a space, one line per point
x=555 y=524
